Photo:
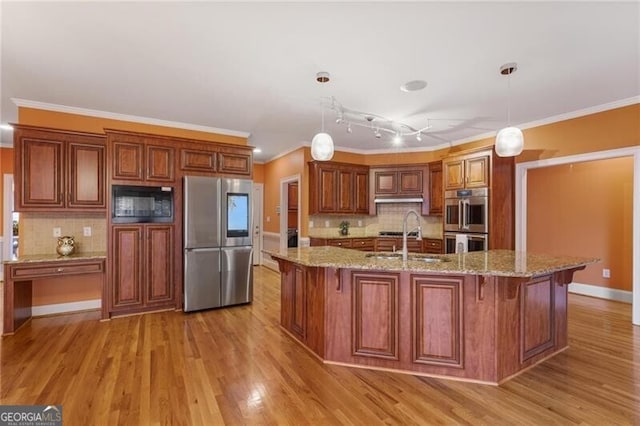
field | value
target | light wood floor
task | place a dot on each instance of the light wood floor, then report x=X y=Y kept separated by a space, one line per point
x=235 y=366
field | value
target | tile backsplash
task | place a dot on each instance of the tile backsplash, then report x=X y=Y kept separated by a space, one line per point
x=36 y=232
x=389 y=218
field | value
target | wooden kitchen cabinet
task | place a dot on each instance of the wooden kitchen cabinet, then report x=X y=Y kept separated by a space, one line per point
x=58 y=170
x=403 y=181
x=338 y=188
x=468 y=171
x=302 y=304
x=215 y=160
x=432 y=246
x=436 y=194
x=395 y=244
x=142 y=268
x=140 y=161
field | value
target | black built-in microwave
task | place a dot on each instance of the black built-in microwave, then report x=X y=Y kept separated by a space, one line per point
x=141 y=204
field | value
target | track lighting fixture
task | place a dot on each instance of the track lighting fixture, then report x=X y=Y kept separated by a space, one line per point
x=376 y=123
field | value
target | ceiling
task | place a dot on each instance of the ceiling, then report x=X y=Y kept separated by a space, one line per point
x=251 y=67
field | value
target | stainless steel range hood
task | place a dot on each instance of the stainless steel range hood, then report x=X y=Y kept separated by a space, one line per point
x=398 y=200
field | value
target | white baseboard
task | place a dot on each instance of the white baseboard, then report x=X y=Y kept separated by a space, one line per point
x=59 y=308
x=271 y=264
x=601 y=292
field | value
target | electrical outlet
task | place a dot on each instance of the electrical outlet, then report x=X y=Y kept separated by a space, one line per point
x=310 y=224
x=326 y=224
x=86 y=231
x=268 y=219
x=57 y=232
x=606 y=273
x=359 y=223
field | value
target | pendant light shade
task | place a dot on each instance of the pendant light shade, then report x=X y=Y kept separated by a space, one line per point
x=322 y=143
x=510 y=140
x=322 y=147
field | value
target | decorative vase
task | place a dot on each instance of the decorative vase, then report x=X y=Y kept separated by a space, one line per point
x=66 y=246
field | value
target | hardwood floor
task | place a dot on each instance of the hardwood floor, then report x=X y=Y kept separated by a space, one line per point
x=236 y=366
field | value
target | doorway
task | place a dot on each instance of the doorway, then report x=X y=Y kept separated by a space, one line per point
x=289 y=211
x=521 y=207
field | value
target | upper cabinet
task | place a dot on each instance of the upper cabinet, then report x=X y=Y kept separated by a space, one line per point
x=58 y=170
x=216 y=160
x=139 y=158
x=436 y=195
x=338 y=188
x=467 y=171
x=402 y=181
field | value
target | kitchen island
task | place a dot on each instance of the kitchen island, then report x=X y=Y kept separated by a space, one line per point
x=481 y=316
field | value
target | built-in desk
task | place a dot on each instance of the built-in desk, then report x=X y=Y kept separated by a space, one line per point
x=20 y=273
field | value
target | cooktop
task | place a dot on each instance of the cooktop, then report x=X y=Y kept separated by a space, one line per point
x=396 y=234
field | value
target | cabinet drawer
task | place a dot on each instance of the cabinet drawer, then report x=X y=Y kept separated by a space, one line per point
x=388 y=244
x=339 y=242
x=363 y=244
x=60 y=268
x=432 y=246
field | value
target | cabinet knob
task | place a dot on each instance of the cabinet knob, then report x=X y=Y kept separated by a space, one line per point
x=60 y=269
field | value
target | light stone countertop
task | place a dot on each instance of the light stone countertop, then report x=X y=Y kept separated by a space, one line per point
x=506 y=263
x=32 y=258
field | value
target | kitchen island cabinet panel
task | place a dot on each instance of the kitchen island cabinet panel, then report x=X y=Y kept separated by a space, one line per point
x=375 y=315
x=437 y=325
x=481 y=317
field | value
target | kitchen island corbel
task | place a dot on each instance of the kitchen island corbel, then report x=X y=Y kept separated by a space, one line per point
x=482 y=316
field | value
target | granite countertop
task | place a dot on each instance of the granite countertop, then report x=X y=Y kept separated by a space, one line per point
x=32 y=258
x=507 y=263
x=411 y=237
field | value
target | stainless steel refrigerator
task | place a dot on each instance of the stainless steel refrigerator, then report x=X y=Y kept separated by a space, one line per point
x=217 y=242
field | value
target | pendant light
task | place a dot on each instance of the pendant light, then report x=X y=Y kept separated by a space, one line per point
x=322 y=143
x=510 y=140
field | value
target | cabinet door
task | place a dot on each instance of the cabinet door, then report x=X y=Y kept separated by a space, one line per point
x=375 y=315
x=453 y=174
x=299 y=303
x=410 y=182
x=41 y=175
x=437 y=320
x=195 y=160
x=160 y=163
x=159 y=264
x=361 y=199
x=385 y=182
x=234 y=163
x=477 y=172
x=127 y=267
x=327 y=184
x=127 y=160
x=436 y=197
x=345 y=191
x=86 y=184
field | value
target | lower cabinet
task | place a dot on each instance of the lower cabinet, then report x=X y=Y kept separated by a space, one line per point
x=302 y=304
x=434 y=326
x=142 y=267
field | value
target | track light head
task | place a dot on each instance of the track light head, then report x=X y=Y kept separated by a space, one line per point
x=419 y=137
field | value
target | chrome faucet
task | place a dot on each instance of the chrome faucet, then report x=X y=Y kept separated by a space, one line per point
x=405 y=233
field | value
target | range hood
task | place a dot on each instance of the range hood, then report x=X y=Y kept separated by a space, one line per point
x=398 y=200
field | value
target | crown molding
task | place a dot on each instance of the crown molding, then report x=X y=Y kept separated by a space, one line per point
x=25 y=103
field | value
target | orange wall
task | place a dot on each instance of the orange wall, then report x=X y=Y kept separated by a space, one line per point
x=84 y=123
x=584 y=209
x=6 y=167
x=258 y=173
x=290 y=164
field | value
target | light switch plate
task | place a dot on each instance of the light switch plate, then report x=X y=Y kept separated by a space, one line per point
x=86 y=231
